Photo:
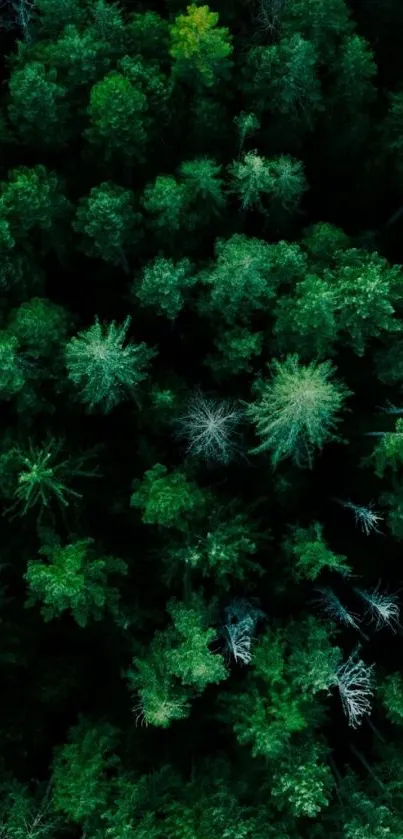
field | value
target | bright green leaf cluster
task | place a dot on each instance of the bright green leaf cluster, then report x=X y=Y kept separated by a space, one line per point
x=200 y=49
x=76 y=578
x=310 y=555
x=179 y=661
x=163 y=285
x=168 y=499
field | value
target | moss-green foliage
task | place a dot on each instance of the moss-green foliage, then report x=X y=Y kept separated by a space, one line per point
x=200 y=49
x=73 y=577
x=225 y=552
x=163 y=285
x=39 y=108
x=39 y=326
x=303 y=781
x=268 y=185
x=276 y=706
x=180 y=661
x=38 y=476
x=116 y=112
x=309 y=555
x=391 y=695
x=168 y=499
x=84 y=763
x=108 y=223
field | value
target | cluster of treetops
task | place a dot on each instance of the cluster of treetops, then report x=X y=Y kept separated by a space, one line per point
x=201 y=427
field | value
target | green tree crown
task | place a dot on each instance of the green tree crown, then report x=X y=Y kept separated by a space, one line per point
x=38 y=109
x=117 y=113
x=268 y=184
x=310 y=554
x=37 y=476
x=284 y=79
x=73 y=577
x=190 y=658
x=297 y=410
x=104 y=370
x=168 y=499
x=12 y=377
x=303 y=782
x=82 y=769
x=108 y=223
x=199 y=48
x=39 y=326
x=163 y=285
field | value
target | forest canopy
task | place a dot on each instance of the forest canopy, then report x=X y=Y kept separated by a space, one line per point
x=201 y=430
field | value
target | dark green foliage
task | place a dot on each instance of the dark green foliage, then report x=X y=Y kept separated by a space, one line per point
x=391 y=694
x=323 y=241
x=200 y=280
x=242 y=280
x=284 y=79
x=268 y=185
x=309 y=554
x=32 y=200
x=54 y=15
x=84 y=763
x=237 y=348
x=168 y=499
x=12 y=372
x=39 y=326
x=388 y=451
x=104 y=370
x=324 y=22
x=39 y=107
x=195 y=197
x=37 y=476
x=163 y=285
x=116 y=112
x=73 y=577
x=27 y=810
x=355 y=298
x=225 y=552
x=109 y=223
x=353 y=90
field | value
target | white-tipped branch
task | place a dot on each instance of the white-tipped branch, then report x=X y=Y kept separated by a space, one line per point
x=382 y=608
x=365 y=516
x=354 y=680
x=335 y=610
